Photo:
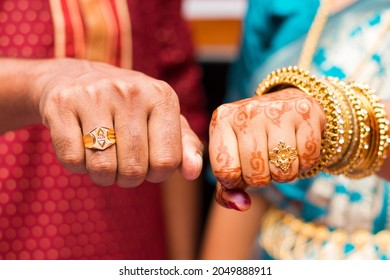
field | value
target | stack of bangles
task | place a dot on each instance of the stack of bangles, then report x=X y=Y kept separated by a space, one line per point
x=353 y=144
x=355 y=139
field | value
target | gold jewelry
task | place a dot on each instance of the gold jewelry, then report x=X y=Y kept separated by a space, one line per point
x=367 y=150
x=297 y=239
x=355 y=148
x=99 y=138
x=317 y=88
x=282 y=156
x=376 y=129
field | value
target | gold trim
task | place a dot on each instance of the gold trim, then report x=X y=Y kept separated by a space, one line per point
x=96 y=30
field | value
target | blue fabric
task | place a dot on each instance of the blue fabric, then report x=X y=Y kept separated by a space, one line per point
x=268 y=26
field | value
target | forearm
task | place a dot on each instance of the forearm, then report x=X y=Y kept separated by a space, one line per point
x=231 y=234
x=17 y=105
x=181 y=200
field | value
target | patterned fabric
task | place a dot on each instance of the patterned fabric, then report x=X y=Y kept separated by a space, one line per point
x=46 y=212
x=337 y=202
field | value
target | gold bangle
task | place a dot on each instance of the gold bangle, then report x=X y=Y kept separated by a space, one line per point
x=346 y=122
x=299 y=78
x=285 y=236
x=378 y=139
x=357 y=128
x=356 y=138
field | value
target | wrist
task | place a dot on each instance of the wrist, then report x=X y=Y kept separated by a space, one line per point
x=355 y=140
x=19 y=92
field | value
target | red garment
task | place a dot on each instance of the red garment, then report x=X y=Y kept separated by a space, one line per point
x=48 y=213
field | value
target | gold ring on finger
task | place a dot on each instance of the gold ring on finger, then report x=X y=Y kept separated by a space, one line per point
x=99 y=138
x=282 y=156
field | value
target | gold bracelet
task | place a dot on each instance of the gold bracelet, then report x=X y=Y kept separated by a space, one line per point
x=358 y=129
x=346 y=121
x=299 y=78
x=283 y=236
x=378 y=129
x=356 y=137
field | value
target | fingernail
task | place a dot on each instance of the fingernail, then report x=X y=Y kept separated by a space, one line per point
x=236 y=199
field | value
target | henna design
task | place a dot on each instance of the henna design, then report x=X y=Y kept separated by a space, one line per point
x=311 y=149
x=275 y=110
x=257 y=163
x=248 y=109
x=219 y=114
x=240 y=118
x=283 y=177
x=223 y=156
x=230 y=178
x=227 y=175
x=303 y=108
x=213 y=121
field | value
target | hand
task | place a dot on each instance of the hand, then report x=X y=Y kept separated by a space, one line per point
x=152 y=138
x=244 y=132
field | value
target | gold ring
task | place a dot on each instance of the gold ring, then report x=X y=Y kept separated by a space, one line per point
x=283 y=156
x=99 y=138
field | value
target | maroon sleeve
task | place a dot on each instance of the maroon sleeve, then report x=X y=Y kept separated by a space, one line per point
x=179 y=67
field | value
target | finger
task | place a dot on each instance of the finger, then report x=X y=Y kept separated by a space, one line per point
x=191 y=165
x=232 y=199
x=223 y=149
x=308 y=144
x=253 y=155
x=101 y=164
x=164 y=134
x=132 y=146
x=67 y=139
x=283 y=155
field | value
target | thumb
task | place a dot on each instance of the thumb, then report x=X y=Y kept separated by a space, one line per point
x=192 y=161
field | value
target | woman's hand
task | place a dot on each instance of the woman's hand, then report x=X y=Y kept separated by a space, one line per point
x=74 y=97
x=288 y=123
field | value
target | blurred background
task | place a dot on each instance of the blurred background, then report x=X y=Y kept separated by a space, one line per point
x=216 y=31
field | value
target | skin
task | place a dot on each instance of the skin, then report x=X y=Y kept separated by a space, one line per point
x=72 y=97
x=242 y=133
x=232 y=234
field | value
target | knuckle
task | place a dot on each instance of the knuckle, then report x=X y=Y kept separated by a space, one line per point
x=55 y=102
x=127 y=90
x=66 y=155
x=60 y=96
x=71 y=160
x=223 y=108
x=230 y=178
x=220 y=114
x=166 y=94
x=166 y=163
x=133 y=172
x=103 y=166
x=258 y=180
x=163 y=88
x=284 y=178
